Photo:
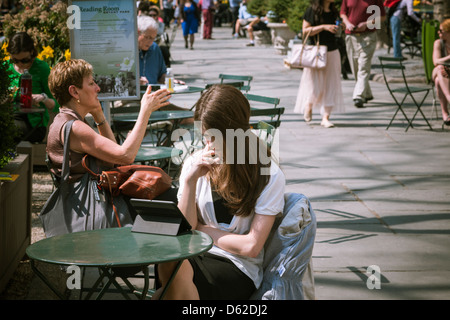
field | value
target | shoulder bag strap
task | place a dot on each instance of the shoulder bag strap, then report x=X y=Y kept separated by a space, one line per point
x=66 y=156
x=86 y=166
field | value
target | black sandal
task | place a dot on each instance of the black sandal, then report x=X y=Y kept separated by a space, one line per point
x=447 y=122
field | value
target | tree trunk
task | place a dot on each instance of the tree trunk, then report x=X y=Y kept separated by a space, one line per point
x=441 y=10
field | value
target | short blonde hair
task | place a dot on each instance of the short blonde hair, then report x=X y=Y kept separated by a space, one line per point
x=65 y=74
x=446 y=25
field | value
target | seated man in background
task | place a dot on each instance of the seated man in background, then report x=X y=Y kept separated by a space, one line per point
x=250 y=23
x=244 y=18
x=256 y=25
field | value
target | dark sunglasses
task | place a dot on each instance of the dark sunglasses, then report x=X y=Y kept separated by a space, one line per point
x=26 y=60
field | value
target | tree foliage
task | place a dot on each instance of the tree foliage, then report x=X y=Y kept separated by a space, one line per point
x=8 y=129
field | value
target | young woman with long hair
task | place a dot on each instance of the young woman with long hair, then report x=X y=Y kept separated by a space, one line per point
x=226 y=193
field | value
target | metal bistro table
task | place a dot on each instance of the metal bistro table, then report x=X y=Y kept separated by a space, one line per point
x=178 y=89
x=122 y=119
x=116 y=247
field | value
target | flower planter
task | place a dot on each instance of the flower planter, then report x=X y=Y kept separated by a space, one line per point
x=15 y=212
x=262 y=37
x=281 y=35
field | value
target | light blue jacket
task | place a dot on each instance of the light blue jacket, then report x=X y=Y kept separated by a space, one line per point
x=288 y=273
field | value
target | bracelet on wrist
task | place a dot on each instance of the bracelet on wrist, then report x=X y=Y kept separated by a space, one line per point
x=100 y=123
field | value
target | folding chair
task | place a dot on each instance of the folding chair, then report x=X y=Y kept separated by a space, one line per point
x=429 y=35
x=255 y=99
x=151 y=152
x=409 y=36
x=237 y=84
x=225 y=77
x=272 y=116
x=390 y=63
x=266 y=132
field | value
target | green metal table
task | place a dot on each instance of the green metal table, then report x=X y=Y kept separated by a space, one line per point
x=156 y=116
x=179 y=89
x=116 y=247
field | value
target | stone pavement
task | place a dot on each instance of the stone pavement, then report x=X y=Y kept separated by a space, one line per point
x=381 y=197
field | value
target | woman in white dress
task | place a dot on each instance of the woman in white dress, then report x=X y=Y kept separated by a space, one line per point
x=321 y=88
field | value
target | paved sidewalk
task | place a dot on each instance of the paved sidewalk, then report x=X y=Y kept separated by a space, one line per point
x=382 y=197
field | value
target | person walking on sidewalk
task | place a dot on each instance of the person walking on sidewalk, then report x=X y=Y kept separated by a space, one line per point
x=396 y=24
x=321 y=88
x=234 y=9
x=361 y=22
x=208 y=8
x=190 y=19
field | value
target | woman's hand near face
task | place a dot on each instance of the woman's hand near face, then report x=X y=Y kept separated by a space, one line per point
x=152 y=101
x=97 y=113
x=203 y=163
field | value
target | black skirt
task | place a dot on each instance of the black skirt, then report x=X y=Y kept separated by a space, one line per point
x=217 y=278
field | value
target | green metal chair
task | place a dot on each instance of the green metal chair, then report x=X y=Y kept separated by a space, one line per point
x=237 y=84
x=429 y=35
x=271 y=116
x=152 y=152
x=405 y=90
x=266 y=132
x=409 y=36
x=224 y=79
x=264 y=101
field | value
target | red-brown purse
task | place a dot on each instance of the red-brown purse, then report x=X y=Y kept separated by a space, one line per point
x=135 y=181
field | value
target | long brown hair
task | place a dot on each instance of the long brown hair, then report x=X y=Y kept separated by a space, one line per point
x=318 y=9
x=224 y=107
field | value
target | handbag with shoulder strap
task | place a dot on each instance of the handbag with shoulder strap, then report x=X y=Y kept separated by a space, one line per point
x=308 y=56
x=81 y=205
x=134 y=181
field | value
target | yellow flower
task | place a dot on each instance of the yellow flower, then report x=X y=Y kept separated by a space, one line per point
x=67 y=54
x=47 y=52
x=4 y=46
x=5 y=52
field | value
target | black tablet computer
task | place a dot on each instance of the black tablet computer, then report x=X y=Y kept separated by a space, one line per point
x=158 y=217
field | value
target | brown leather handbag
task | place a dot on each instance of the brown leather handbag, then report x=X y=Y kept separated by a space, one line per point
x=135 y=181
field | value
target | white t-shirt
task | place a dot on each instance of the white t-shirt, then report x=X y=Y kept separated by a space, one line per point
x=270 y=202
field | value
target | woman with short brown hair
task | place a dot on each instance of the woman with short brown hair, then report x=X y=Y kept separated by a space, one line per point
x=73 y=85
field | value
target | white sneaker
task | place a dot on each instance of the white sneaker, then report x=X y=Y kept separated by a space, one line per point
x=326 y=123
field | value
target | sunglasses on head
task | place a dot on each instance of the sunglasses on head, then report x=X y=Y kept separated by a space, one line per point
x=26 y=60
